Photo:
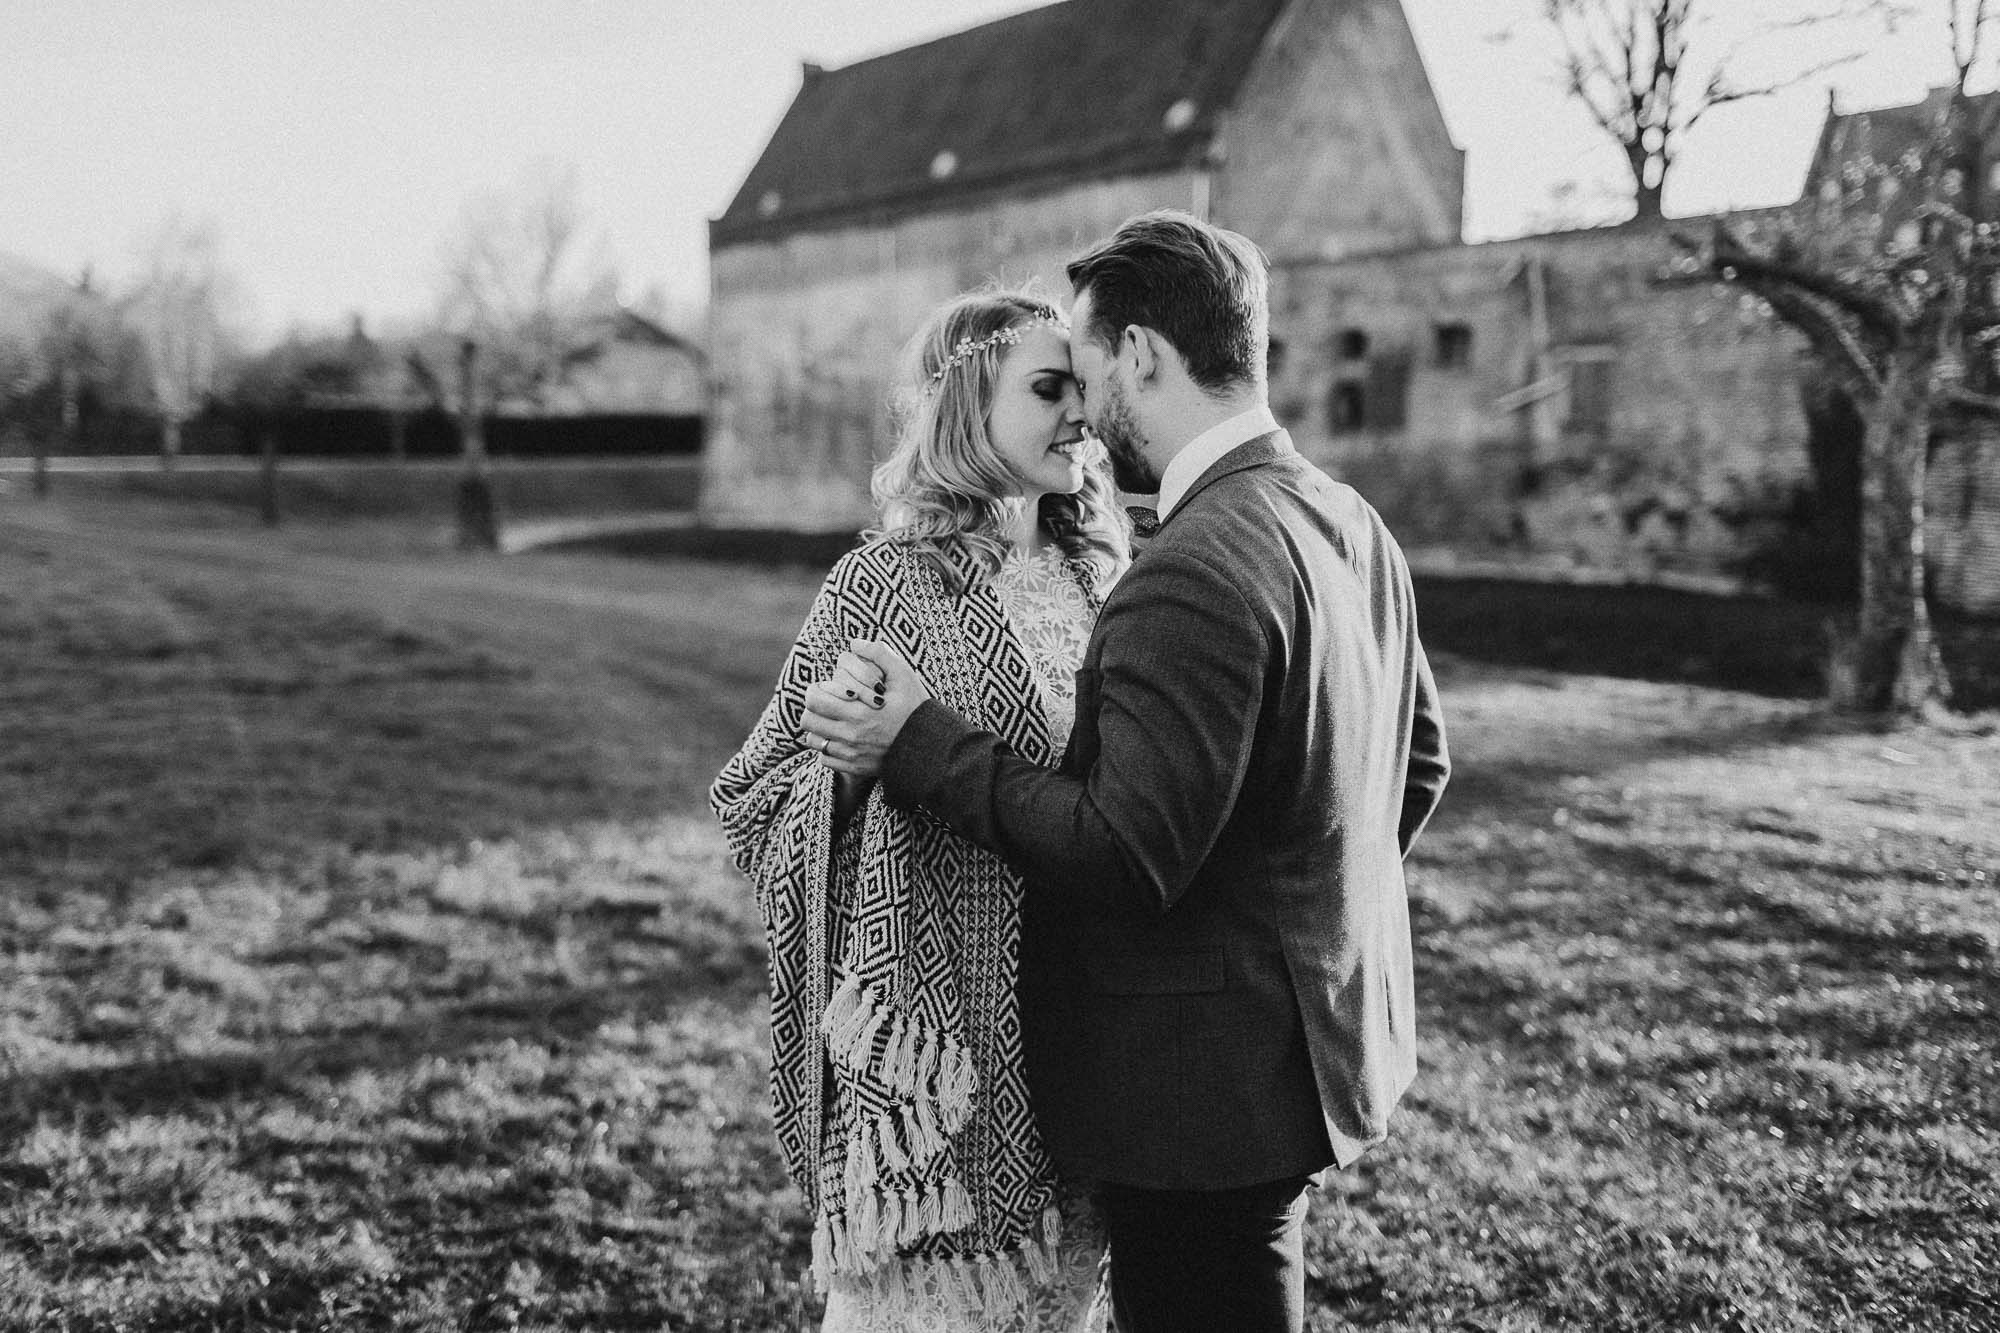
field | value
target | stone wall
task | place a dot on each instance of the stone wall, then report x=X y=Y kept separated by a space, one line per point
x=1962 y=536
x=1546 y=400
x=1558 y=403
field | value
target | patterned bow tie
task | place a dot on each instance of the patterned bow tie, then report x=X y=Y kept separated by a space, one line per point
x=1145 y=522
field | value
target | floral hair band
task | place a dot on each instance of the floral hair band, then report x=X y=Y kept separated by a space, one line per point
x=969 y=346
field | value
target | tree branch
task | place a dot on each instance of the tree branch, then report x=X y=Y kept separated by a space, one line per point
x=1970 y=403
x=1812 y=315
x=1876 y=314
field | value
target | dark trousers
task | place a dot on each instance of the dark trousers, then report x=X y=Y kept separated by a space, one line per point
x=1208 y=1261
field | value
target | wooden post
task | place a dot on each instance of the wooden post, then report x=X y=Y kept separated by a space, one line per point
x=478 y=527
x=267 y=475
x=71 y=389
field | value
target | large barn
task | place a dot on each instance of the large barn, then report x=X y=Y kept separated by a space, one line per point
x=1547 y=403
x=998 y=153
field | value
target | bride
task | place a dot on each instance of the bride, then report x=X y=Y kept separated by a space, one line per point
x=896 y=1068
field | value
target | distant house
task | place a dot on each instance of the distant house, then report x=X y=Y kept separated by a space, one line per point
x=630 y=365
x=627 y=386
x=1885 y=134
x=999 y=152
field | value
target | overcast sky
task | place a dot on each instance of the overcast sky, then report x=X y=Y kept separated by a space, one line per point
x=333 y=143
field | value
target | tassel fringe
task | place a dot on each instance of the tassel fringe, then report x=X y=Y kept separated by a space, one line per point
x=913 y=1059
x=990 y=1290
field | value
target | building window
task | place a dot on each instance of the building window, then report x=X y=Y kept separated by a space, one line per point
x=1590 y=381
x=1352 y=345
x=1346 y=407
x=1452 y=346
x=1388 y=390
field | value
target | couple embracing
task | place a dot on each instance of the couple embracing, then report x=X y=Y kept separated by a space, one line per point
x=1081 y=871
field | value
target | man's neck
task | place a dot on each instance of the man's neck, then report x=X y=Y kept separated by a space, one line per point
x=1201 y=414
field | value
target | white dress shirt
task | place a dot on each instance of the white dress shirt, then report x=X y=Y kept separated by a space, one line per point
x=1186 y=467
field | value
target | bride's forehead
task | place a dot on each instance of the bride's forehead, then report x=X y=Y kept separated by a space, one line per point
x=1040 y=347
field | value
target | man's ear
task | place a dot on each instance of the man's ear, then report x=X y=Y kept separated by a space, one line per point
x=1137 y=343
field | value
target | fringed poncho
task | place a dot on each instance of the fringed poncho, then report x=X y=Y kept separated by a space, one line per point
x=893 y=964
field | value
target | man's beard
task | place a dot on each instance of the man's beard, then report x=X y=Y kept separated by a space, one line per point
x=1125 y=446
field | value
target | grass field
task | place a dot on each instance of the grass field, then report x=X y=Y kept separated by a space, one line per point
x=367 y=961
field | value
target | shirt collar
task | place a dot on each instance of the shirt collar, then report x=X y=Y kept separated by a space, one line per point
x=1185 y=468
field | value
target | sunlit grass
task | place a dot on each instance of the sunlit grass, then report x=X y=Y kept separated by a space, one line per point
x=368 y=963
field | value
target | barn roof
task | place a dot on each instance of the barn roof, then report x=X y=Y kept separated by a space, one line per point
x=1884 y=133
x=1080 y=89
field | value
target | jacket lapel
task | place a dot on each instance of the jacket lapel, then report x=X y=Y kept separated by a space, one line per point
x=1254 y=452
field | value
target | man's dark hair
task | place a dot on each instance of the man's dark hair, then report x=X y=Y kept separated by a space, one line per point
x=1201 y=288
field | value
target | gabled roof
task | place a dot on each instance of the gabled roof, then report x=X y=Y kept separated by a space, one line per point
x=1885 y=133
x=1081 y=89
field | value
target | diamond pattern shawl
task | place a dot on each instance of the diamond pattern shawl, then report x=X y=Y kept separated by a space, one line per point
x=921 y=1142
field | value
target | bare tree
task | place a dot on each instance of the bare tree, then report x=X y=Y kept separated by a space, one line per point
x=19 y=374
x=178 y=311
x=523 y=274
x=522 y=277
x=1891 y=276
x=77 y=347
x=1648 y=71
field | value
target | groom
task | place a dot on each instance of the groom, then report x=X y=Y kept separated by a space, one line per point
x=1215 y=975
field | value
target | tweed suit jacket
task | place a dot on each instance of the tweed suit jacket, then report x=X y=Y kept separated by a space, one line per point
x=1216 y=962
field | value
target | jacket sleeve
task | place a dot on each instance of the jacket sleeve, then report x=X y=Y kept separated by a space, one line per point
x=1180 y=681
x=1430 y=764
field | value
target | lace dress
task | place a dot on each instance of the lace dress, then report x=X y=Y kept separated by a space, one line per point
x=1051 y=616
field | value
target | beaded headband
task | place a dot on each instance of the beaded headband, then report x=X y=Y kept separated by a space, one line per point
x=969 y=346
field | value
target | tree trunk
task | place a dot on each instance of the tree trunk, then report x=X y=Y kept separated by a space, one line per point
x=1648 y=198
x=71 y=389
x=170 y=441
x=1894 y=666
x=478 y=525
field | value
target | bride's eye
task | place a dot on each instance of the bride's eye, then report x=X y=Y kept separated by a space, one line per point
x=1048 y=390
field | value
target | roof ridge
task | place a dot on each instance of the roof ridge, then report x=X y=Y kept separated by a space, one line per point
x=835 y=71
x=1029 y=95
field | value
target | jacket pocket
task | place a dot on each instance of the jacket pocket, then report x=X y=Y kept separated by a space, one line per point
x=1157 y=972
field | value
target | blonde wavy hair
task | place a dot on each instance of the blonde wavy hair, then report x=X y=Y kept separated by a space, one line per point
x=944 y=490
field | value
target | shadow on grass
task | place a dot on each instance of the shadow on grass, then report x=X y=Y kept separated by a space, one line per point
x=548 y=1016
x=1584 y=740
